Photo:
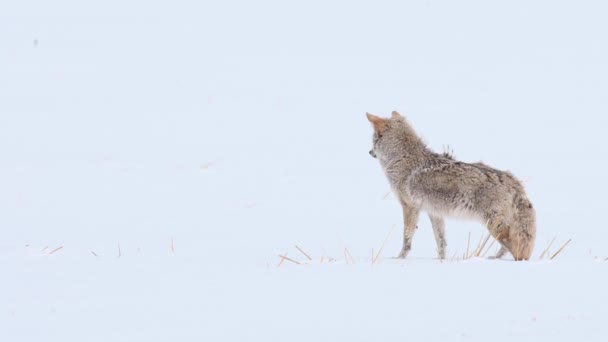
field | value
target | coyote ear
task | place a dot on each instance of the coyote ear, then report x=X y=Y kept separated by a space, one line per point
x=378 y=122
x=396 y=115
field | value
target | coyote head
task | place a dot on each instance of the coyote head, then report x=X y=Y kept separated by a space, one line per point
x=385 y=133
x=393 y=139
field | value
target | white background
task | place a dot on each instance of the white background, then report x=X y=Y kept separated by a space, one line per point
x=237 y=129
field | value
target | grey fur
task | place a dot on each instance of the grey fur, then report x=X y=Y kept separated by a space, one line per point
x=442 y=186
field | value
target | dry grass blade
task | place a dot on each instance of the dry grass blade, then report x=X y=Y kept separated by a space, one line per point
x=466 y=254
x=488 y=249
x=375 y=260
x=478 y=245
x=329 y=259
x=559 y=250
x=172 y=246
x=284 y=257
x=55 y=250
x=347 y=254
x=518 y=245
x=281 y=261
x=95 y=254
x=350 y=255
x=481 y=247
x=377 y=257
x=305 y=254
x=547 y=249
x=454 y=256
x=119 y=251
x=45 y=248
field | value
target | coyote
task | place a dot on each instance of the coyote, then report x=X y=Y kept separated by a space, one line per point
x=442 y=186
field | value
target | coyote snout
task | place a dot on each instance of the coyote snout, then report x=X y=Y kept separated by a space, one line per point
x=442 y=186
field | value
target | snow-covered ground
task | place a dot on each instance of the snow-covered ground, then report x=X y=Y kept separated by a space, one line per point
x=167 y=152
x=186 y=299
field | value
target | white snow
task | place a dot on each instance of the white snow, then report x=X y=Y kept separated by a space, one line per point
x=237 y=130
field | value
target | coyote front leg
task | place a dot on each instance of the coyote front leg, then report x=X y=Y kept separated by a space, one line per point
x=503 y=250
x=410 y=218
x=439 y=231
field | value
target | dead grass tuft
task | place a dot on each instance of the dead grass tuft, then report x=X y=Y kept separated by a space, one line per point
x=560 y=249
x=547 y=249
x=284 y=257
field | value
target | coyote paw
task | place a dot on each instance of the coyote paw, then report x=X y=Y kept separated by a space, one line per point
x=441 y=255
x=402 y=254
